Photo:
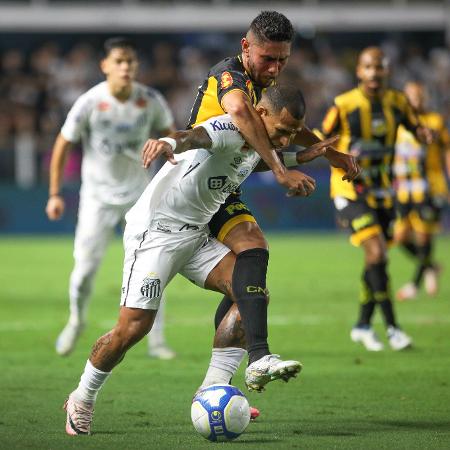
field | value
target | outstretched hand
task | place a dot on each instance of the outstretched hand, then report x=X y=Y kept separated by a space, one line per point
x=316 y=150
x=297 y=183
x=344 y=161
x=153 y=148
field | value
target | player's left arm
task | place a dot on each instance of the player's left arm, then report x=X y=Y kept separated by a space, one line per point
x=348 y=163
x=175 y=142
x=412 y=123
x=293 y=159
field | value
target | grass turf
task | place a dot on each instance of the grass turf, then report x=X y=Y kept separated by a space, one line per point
x=345 y=398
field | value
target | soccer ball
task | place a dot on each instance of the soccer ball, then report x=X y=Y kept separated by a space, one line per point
x=220 y=412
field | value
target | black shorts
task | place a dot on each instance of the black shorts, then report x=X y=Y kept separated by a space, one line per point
x=423 y=217
x=363 y=221
x=231 y=213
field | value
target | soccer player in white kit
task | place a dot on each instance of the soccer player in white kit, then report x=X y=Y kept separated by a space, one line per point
x=113 y=120
x=167 y=233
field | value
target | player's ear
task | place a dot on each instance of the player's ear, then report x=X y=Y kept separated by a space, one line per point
x=103 y=66
x=245 y=45
x=261 y=110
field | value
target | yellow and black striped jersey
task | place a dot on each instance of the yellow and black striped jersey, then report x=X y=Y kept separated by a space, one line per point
x=368 y=128
x=226 y=76
x=419 y=169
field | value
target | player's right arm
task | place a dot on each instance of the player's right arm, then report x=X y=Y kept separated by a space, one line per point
x=55 y=204
x=75 y=123
x=177 y=142
x=238 y=105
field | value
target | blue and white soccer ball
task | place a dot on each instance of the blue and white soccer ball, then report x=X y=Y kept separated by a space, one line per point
x=220 y=412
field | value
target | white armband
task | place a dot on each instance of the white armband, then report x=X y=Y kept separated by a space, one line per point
x=171 y=141
x=290 y=159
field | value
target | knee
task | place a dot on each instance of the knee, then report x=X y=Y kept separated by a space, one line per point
x=245 y=236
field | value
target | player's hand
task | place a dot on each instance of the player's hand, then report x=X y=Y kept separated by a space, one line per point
x=316 y=150
x=153 y=148
x=55 y=207
x=298 y=184
x=425 y=135
x=344 y=161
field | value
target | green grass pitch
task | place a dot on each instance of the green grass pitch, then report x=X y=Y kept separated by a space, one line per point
x=345 y=398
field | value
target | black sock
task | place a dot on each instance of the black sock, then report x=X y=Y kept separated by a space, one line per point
x=410 y=248
x=424 y=256
x=222 y=309
x=367 y=303
x=249 y=287
x=378 y=281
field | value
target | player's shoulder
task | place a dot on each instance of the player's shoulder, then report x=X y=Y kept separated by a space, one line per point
x=230 y=64
x=147 y=93
x=92 y=96
x=348 y=98
x=397 y=96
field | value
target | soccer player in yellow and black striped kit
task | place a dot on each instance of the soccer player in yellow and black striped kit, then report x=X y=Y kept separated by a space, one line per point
x=422 y=191
x=234 y=86
x=367 y=119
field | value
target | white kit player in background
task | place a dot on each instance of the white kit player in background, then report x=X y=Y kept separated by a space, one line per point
x=113 y=120
x=167 y=233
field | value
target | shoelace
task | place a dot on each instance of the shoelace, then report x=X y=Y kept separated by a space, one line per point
x=83 y=416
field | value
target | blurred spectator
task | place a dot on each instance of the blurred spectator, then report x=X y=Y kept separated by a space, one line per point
x=37 y=89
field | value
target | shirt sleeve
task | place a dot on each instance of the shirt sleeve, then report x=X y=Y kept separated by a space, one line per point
x=223 y=133
x=163 y=116
x=77 y=120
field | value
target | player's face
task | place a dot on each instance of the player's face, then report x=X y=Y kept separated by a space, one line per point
x=265 y=60
x=372 y=71
x=120 y=66
x=281 y=127
x=416 y=96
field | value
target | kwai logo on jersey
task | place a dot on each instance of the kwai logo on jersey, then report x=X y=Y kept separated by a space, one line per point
x=226 y=80
x=222 y=126
x=151 y=286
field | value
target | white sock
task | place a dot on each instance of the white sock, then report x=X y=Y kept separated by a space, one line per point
x=156 y=336
x=90 y=383
x=223 y=365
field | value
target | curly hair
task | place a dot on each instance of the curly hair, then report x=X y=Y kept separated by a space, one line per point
x=272 y=26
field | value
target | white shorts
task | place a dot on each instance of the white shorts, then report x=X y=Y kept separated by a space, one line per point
x=95 y=227
x=153 y=258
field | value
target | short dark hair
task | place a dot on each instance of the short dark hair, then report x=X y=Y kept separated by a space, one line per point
x=272 y=26
x=117 y=42
x=291 y=98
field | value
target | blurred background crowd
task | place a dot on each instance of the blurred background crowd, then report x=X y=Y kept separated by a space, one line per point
x=41 y=78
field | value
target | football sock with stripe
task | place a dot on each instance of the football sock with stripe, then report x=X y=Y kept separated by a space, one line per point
x=249 y=287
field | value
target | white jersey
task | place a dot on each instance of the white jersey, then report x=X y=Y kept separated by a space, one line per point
x=112 y=135
x=186 y=196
